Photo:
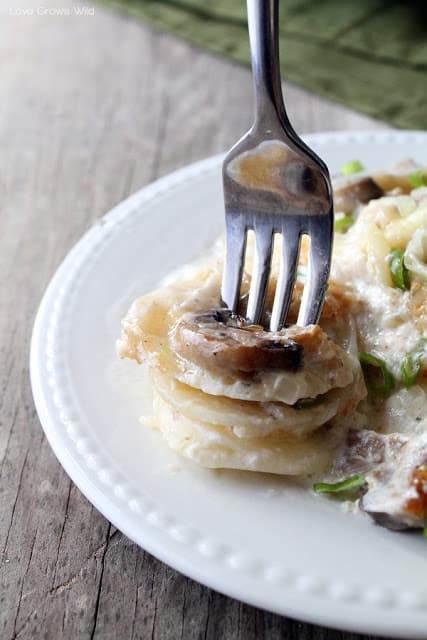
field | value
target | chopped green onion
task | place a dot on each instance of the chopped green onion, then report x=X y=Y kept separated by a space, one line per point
x=412 y=363
x=343 y=223
x=418 y=179
x=399 y=273
x=371 y=366
x=308 y=403
x=349 y=484
x=425 y=531
x=354 y=166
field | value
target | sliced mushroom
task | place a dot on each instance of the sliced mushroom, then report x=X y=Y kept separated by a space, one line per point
x=365 y=450
x=399 y=175
x=350 y=192
x=220 y=341
x=397 y=493
x=396 y=473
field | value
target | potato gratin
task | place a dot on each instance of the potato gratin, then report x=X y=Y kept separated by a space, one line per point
x=345 y=401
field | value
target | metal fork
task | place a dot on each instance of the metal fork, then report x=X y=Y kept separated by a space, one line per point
x=274 y=183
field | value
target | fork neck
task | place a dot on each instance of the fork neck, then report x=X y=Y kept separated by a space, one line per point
x=264 y=44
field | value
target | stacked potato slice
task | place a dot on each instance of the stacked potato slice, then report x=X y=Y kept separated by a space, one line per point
x=229 y=395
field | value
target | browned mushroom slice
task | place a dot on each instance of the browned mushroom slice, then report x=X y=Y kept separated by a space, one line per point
x=365 y=450
x=396 y=472
x=220 y=341
x=397 y=494
x=349 y=193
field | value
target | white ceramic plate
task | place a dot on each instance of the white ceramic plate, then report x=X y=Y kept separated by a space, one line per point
x=257 y=538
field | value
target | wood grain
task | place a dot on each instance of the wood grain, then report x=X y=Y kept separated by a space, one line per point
x=92 y=108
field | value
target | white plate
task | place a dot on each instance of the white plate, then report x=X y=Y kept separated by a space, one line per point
x=258 y=538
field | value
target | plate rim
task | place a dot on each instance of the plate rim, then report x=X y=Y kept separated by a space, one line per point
x=73 y=464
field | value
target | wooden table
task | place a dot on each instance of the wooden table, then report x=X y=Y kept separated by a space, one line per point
x=92 y=108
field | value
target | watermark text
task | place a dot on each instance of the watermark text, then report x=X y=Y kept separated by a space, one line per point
x=76 y=10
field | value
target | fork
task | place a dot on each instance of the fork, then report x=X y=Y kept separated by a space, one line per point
x=274 y=184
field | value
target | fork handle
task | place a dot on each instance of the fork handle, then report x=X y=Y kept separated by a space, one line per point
x=264 y=44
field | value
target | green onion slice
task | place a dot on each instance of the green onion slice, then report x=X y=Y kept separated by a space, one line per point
x=354 y=166
x=398 y=272
x=343 y=223
x=371 y=367
x=308 y=403
x=418 y=179
x=349 y=484
x=412 y=363
x=425 y=531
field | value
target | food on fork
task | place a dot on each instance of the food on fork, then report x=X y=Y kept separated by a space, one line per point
x=228 y=394
x=343 y=399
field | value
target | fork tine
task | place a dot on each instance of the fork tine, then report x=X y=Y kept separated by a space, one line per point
x=235 y=246
x=260 y=272
x=320 y=232
x=287 y=275
x=272 y=180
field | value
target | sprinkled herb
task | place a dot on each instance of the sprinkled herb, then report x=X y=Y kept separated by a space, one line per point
x=371 y=367
x=399 y=273
x=418 y=179
x=411 y=365
x=354 y=166
x=349 y=484
x=343 y=223
x=308 y=403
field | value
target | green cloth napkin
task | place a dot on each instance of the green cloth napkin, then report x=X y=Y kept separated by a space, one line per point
x=370 y=55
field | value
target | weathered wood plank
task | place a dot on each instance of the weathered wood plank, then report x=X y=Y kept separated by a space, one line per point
x=92 y=108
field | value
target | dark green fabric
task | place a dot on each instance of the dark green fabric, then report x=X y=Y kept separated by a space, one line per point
x=370 y=55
